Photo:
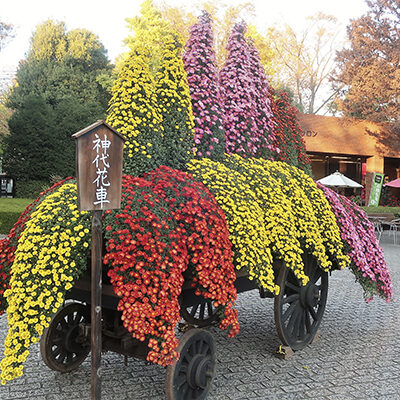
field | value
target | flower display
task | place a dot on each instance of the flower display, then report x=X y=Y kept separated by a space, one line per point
x=51 y=254
x=168 y=222
x=271 y=215
x=241 y=116
x=261 y=104
x=186 y=220
x=367 y=259
x=173 y=100
x=202 y=74
x=9 y=244
x=133 y=111
x=288 y=132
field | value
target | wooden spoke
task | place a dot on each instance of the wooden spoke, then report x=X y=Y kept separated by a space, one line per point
x=58 y=346
x=298 y=309
x=291 y=298
x=190 y=377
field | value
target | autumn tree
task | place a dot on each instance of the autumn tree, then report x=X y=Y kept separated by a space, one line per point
x=304 y=61
x=149 y=30
x=369 y=69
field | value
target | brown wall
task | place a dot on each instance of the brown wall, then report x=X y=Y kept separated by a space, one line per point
x=348 y=136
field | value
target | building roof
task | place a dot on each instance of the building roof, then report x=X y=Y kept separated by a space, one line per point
x=348 y=136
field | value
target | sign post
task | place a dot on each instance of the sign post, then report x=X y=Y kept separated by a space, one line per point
x=99 y=178
x=376 y=187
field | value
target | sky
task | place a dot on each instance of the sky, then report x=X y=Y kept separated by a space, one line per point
x=107 y=19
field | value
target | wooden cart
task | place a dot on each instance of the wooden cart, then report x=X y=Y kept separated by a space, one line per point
x=298 y=313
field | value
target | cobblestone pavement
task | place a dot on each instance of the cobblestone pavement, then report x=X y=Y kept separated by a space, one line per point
x=356 y=357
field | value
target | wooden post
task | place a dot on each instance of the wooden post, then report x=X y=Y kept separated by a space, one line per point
x=99 y=151
x=96 y=331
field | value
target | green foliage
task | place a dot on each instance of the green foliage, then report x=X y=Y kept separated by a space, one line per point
x=134 y=112
x=30 y=189
x=57 y=93
x=31 y=149
x=55 y=81
x=5 y=114
x=40 y=143
x=175 y=106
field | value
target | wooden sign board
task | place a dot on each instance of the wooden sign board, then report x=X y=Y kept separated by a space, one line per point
x=99 y=151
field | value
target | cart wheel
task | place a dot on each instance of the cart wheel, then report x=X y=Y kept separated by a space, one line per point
x=190 y=377
x=299 y=309
x=59 y=347
x=201 y=314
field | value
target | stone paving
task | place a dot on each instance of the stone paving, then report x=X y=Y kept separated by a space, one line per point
x=356 y=357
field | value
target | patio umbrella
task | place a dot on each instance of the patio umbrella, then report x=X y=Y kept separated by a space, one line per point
x=339 y=180
x=395 y=183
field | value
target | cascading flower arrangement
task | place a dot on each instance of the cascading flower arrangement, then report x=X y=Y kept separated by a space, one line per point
x=168 y=222
x=9 y=244
x=270 y=215
x=51 y=254
x=367 y=259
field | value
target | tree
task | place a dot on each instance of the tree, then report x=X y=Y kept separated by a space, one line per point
x=40 y=145
x=62 y=64
x=304 y=61
x=200 y=65
x=5 y=114
x=31 y=149
x=149 y=29
x=368 y=72
x=7 y=32
x=59 y=76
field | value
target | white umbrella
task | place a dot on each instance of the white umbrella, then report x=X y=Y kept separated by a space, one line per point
x=339 y=180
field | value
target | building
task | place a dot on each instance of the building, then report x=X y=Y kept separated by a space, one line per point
x=356 y=148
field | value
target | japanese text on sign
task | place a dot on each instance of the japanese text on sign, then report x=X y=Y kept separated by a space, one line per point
x=101 y=146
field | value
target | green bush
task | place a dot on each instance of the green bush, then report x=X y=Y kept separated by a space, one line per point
x=30 y=189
